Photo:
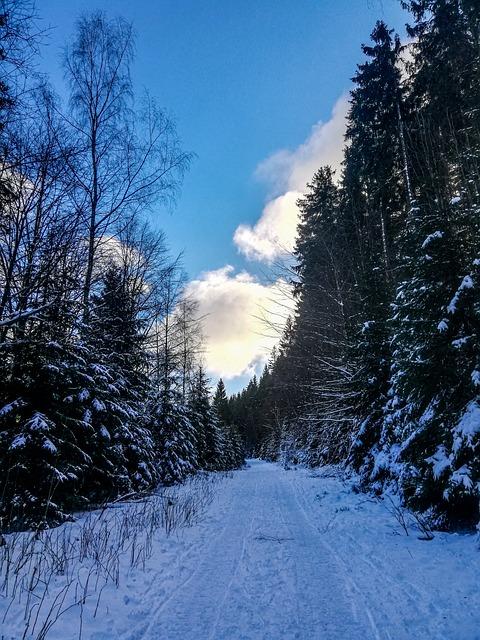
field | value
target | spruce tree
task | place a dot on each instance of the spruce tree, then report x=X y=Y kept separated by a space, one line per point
x=114 y=404
x=229 y=442
x=203 y=417
x=374 y=200
x=433 y=393
x=220 y=403
x=176 y=437
x=43 y=458
x=318 y=219
x=316 y=353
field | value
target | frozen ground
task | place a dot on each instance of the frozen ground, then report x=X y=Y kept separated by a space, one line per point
x=282 y=555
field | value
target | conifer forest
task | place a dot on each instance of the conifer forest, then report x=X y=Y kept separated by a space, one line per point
x=330 y=491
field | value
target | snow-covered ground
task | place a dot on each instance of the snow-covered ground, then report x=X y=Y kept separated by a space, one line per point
x=278 y=555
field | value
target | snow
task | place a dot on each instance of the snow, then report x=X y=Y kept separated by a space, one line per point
x=440 y=461
x=280 y=555
x=49 y=446
x=476 y=377
x=11 y=406
x=462 y=476
x=98 y=405
x=461 y=342
x=436 y=235
x=442 y=326
x=83 y=395
x=38 y=422
x=467 y=283
x=104 y=432
x=18 y=442
x=468 y=427
x=429 y=413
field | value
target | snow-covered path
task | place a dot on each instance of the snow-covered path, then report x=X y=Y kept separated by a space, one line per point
x=266 y=574
x=277 y=555
x=287 y=555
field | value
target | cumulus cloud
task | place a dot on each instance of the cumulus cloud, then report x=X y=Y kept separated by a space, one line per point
x=287 y=173
x=274 y=233
x=237 y=307
x=234 y=305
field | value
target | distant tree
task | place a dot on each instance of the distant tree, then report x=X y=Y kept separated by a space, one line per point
x=176 y=437
x=206 y=423
x=220 y=403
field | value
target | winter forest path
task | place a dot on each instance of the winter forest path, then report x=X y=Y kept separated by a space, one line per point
x=264 y=574
x=284 y=555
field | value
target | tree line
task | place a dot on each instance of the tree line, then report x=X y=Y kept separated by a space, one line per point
x=102 y=389
x=379 y=366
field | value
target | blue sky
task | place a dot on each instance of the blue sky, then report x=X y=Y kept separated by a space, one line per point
x=243 y=79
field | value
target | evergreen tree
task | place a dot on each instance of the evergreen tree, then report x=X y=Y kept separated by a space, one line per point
x=456 y=463
x=445 y=84
x=113 y=404
x=229 y=438
x=206 y=423
x=318 y=347
x=318 y=219
x=177 y=442
x=42 y=459
x=375 y=197
x=433 y=365
x=220 y=403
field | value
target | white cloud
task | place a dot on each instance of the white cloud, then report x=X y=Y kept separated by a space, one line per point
x=274 y=233
x=407 y=57
x=287 y=173
x=234 y=304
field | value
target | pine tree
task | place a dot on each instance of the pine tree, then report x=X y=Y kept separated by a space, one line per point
x=445 y=88
x=229 y=443
x=374 y=198
x=42 y=459
x=318 y=347
x=318 y=218
x=206 y=423
x=220 y=403
x=282 y=399
x=176 y=436
x=456 y=462
x=114 y=404
x=434 y=355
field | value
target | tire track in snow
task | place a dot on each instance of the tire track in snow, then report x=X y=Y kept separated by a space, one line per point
x=417 y=602
x=262 y=605
x=348 y=580
x=266 y=575
x=141 y=630
x=193 y=609
x=235 y=573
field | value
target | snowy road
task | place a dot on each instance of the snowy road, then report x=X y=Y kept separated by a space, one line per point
x=277 y=555
x=277 y=560
x=265 y=575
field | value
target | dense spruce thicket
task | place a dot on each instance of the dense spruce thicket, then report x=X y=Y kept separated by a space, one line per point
x=380 y=365
x=102 y=393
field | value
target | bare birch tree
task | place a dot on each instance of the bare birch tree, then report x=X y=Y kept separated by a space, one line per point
x=128 y=158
